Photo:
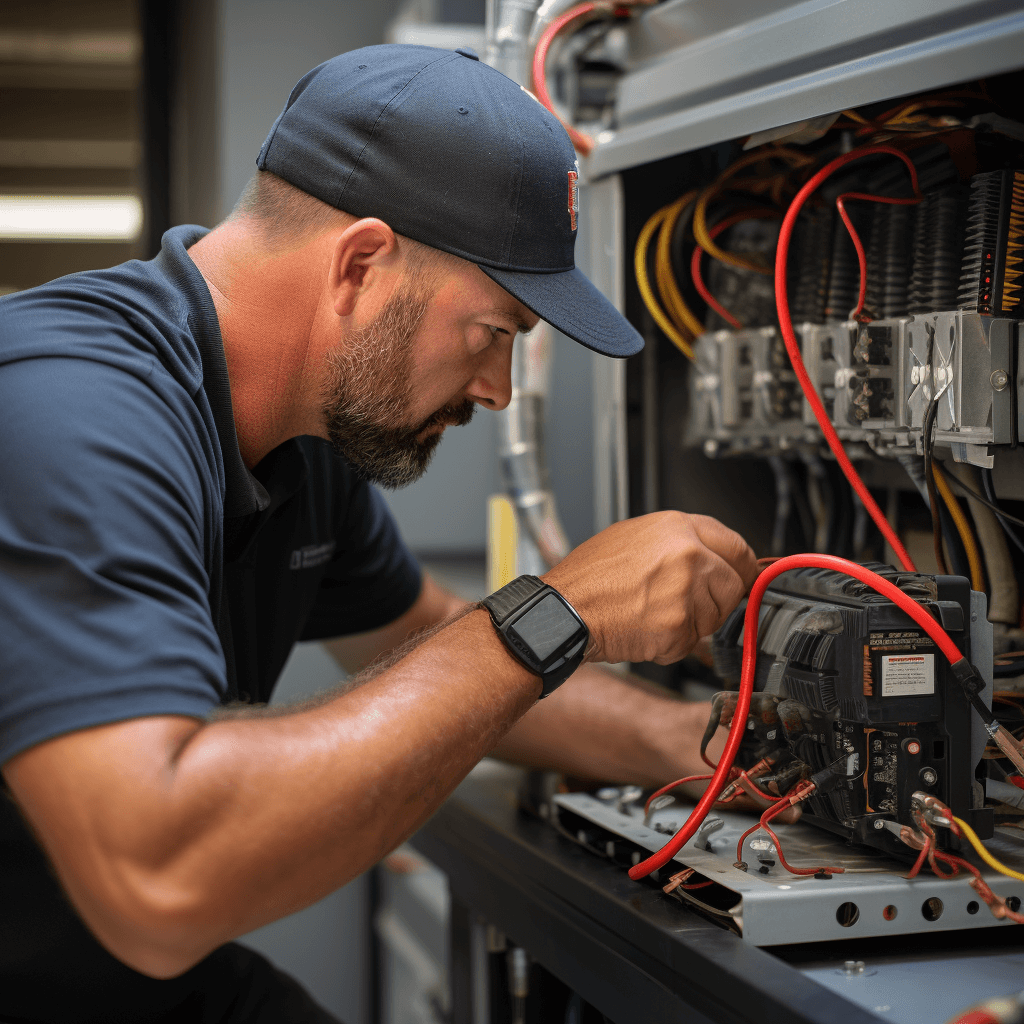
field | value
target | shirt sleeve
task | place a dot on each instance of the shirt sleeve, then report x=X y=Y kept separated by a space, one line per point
x=373 y=577
x=104 y=548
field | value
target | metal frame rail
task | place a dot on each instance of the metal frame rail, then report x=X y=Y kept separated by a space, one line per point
x=629 y=950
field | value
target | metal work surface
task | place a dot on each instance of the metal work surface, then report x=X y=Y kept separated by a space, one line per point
x=772 y=907
x=704 y=71
x=639 y=955
x=915 y=989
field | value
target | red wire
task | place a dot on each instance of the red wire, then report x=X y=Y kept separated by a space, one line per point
x=540 y=86
x=739 y=720
x=793 y=347
x=919 y=863
x=672 y=785
x=981 y=1016
x=698 y=252
x=789 y=867
x=702 y=289
x=765 y=816
x=858 y=245
x=800 y=792
x=752 y=790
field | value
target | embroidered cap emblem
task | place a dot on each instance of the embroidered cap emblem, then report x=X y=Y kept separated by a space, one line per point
x=574 y=198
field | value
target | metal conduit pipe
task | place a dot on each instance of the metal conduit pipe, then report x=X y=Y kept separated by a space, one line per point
x=542 y=540
x=507 y=31
x=521 y=453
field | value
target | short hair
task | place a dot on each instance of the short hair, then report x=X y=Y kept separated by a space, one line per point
x=288 y=217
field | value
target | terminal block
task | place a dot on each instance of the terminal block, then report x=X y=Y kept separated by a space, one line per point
x=877 y=381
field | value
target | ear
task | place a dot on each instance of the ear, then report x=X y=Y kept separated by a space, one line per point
x=363 y=248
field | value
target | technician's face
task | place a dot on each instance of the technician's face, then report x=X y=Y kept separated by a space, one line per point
x=421 y=365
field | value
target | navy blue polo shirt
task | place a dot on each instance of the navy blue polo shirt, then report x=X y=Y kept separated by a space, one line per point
x=143 y=569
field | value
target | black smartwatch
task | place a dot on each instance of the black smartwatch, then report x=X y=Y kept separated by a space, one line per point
x=540 y=628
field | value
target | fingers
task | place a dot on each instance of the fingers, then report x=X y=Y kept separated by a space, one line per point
x=651 y=587
x=729 y=546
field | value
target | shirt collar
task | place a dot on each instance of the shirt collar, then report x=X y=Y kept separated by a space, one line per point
x=244 y=494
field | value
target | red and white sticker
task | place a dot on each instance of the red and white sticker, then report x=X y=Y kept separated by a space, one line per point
x=906 y=675
x=574 y=198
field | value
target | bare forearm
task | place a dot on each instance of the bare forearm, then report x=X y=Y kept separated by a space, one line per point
x=598 y=725
x=261 y=815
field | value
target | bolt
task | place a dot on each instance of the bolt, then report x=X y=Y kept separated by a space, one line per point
x=999 y=378
x=879 y=823
x=929 y=776
x=853 y=967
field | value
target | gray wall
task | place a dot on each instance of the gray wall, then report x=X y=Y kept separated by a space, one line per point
x=266 y=47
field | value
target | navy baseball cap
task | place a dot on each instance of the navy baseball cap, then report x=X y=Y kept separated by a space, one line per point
x=452 y=153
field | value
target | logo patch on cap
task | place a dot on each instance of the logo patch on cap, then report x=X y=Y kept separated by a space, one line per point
x=574 y=198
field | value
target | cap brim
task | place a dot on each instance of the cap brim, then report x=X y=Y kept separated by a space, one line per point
x=572 y=305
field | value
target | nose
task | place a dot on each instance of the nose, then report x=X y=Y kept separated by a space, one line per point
x=491 y=387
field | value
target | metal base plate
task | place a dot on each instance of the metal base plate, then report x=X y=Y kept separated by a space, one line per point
x=767 y=905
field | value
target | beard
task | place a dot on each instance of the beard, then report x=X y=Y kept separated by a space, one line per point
x=369 y=392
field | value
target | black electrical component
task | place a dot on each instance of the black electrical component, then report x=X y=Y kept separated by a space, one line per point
x=992 y=272
x=850 y=686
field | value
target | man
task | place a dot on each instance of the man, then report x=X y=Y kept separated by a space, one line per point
x=186 y=449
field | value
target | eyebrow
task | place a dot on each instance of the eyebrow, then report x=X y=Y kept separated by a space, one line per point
x=513 y=315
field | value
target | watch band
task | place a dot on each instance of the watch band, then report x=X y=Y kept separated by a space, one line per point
x=517 y=611
x=509 y=598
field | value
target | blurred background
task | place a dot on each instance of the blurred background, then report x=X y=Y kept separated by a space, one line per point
x=121 y=118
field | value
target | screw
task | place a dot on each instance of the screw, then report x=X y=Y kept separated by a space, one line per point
x=999 y=378
x=929 y=776
x=853 y=966
x=879 y=823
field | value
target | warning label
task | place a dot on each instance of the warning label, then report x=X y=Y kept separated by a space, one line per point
x=906 y=675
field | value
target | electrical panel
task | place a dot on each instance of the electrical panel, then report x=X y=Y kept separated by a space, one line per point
x=833 y=311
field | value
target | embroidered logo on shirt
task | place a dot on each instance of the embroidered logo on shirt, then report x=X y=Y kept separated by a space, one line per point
x=312 y=555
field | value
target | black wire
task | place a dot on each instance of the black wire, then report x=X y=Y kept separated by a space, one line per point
x=990 y=493
x=959 y=563
x=929 y=479
x=972 y=493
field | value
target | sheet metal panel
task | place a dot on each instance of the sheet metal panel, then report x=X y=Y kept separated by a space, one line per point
x=705 y=71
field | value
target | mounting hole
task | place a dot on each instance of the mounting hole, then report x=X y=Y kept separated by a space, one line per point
x=848 y=915
x=973 y=907
x=931 y=909
x=889 y=913
x=1013 y=902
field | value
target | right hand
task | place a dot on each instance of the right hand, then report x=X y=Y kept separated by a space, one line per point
x=650 y=588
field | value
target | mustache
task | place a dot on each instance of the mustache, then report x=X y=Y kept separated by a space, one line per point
x=455 y=414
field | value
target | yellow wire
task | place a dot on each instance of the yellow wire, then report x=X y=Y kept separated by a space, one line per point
x=984 y=854
x=677 y=308
x=700 y=222
x=854 y=116
x=962 y=527
x=647 y=293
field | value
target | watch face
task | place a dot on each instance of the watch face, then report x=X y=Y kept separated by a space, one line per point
x=546 y=627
